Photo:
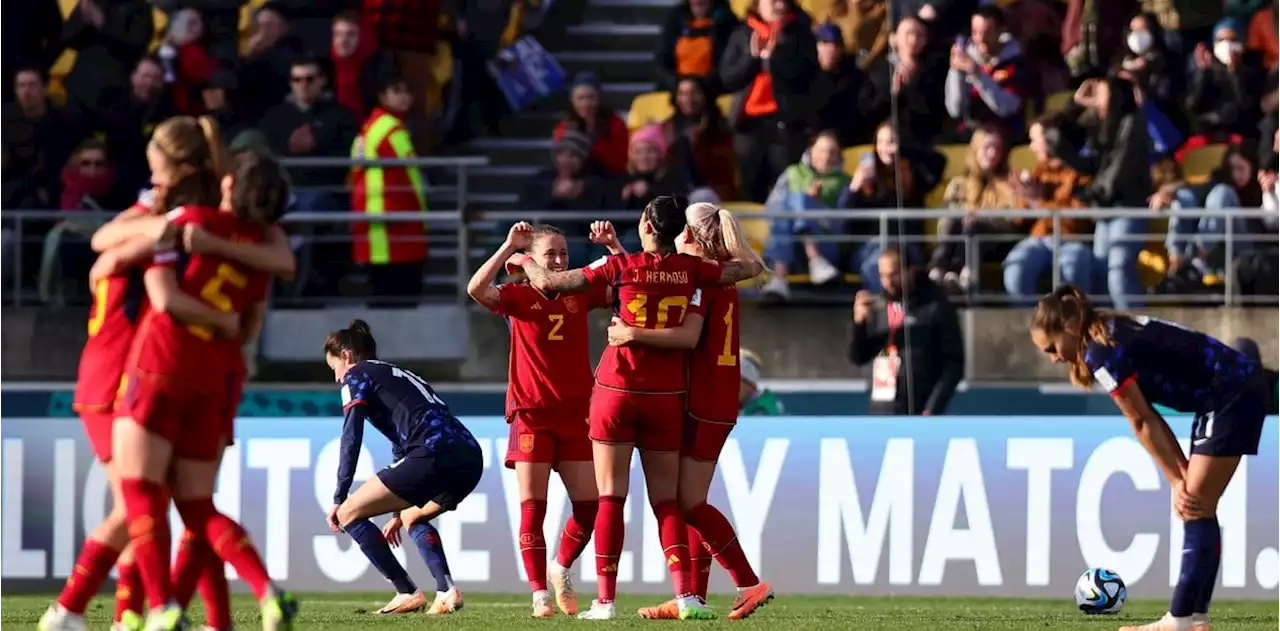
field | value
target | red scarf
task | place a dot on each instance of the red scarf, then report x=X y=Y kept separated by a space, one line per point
x=348 y=79
x=194 y=67
x=76 y=186
x=760 y=100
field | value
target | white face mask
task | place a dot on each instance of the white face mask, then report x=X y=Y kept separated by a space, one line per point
x=1225 y=49
x=1139 y=42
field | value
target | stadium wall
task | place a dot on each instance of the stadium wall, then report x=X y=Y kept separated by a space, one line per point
x=952 y=505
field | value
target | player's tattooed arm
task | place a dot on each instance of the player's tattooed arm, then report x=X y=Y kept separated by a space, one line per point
x=480 y=287
x=736 y=271
x=130 y=224
x=166 y=296
x=685 y=336
x=273 y=256
x=545 y=280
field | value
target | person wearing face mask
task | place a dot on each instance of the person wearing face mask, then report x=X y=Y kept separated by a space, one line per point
x=907 y=378
x=1222 y=98
x=1144 y=61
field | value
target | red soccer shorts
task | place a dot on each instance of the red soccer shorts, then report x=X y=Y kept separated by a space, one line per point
x=548 y=436
x=97 y=425
x=193 y=420
x=703 y=440
x=650 y=421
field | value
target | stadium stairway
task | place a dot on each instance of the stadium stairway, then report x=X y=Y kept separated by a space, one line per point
x=616 y=40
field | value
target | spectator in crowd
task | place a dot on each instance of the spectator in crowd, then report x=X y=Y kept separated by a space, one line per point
x=892 y=176
x=221 y=20
x=38 y=138
x=1118 y=161
x=1222 y=98
x=32 y=33
x=480 y=31
x=110 y=36
x=1257 y=272
x=264 y=75
x=393 y=253
x=863 y=26
x=186 y=59
x=693 y=38
x=1186 y=23
x=648 y=175
x=1197 y=242
x=608 y=132
x=357 y=65
x=1262 y=37
x=985 y=185
x=218 y=98
x=567 y=185
x=1145 y=61
x=989 y=82
x=771 y=63
x=1037 y=27
x=754 y=399
x=1050 y=184
x=310 y=124
x=914 y=77
x=146 y=105
x=835 y=93
x=88 y=179
x=699 y=141
x=946 y=18
x=917 y=378
x=817 y=182
x=1093 y=34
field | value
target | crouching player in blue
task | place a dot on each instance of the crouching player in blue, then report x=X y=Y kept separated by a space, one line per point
x=1142 y=361
x=437 y=464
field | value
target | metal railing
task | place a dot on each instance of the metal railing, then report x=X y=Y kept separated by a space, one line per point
x=458 y=192
x=473 y=237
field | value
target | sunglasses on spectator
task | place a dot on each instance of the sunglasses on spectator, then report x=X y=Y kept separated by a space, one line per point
x=308 y=78
x=84 y=164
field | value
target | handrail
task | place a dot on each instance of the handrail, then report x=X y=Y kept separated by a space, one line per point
x=425 y=161
x=870 y=214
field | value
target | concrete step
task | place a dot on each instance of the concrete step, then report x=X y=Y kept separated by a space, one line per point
x=507 y=179
x=610 y=66
x=616 y=95
x=628 y=11
x=509 y=152
x=615 y=36
x=533 y=125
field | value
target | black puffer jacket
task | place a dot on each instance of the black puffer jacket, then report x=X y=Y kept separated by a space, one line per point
x=793 y=67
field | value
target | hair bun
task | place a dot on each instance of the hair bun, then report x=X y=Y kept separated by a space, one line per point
x=359 y=326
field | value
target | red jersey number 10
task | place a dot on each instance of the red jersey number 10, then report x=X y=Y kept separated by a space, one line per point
x=639 y=307
x=212 y=293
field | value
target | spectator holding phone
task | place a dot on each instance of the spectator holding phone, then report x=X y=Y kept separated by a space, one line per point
x=988 y=83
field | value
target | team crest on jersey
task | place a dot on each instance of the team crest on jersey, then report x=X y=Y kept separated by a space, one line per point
x=571 y=304
x=526 y=443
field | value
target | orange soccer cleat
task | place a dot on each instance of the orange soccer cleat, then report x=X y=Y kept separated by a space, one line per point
x=405 y=603
x=751 y=599
x=446 y=602
x=669 y=610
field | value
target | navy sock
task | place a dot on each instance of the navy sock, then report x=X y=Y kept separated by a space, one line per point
x=428 y=542
x=1201 y=555
x=379 y=553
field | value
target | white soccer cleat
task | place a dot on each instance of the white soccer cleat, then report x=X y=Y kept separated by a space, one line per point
x=446 y=602
x=57 y=618
x=599 y=611
x=1170 y=623
x=405 y=603
x=562 y=584
x=542 y=604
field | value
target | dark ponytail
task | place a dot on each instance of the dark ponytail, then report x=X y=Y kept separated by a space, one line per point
x=356 y=339
x=666 y=214
x=260 y=187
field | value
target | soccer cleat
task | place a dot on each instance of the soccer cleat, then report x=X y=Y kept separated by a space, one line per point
x=692 y=608
x=167 y=618
x=751 y=599
x=669 y=610
x=405 y=603
x=1199 y=622
x=1170 y=623
x=129 y=621
x=562 y=585
x=599 y=611
x=279 y=611
x=58 y=618
x=446 y=602
x=542 y=604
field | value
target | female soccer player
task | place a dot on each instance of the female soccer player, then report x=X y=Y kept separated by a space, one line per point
x=712 y=406
x=548 y=398
x=173 y=421
x=638 y=401
x=437 y=464
x=1143 y=361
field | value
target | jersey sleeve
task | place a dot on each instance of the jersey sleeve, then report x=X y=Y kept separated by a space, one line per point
x=600 y=297
x=707 y=272
x=168 y=254
x=701 y=300
x=354 y=390
x=1112 y=366
x=604 y=271
x=513 y=299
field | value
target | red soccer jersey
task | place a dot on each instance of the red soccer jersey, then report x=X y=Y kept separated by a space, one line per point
x=195 y=353
x=118 y=303
x=714 y=373
x=550 y=366
x=655 y=291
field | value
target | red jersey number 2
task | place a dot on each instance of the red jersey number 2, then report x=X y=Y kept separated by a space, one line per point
x=213 y=294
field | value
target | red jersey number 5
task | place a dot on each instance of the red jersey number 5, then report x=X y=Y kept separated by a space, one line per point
x=213 y=293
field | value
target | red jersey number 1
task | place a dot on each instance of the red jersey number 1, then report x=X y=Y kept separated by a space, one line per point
x=638 y=307
x=212 y=293
x=727 y=356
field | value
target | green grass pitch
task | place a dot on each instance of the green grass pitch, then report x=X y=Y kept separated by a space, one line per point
x=489 y=612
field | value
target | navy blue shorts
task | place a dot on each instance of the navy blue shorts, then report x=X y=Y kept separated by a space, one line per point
x=445 y=480
x=1235 y=427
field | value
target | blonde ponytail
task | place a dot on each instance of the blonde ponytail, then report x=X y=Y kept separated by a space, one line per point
x=735 y=243
x=217 y=157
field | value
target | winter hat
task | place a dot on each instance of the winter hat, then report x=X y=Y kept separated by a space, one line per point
x=650 y=134
x=574 y=142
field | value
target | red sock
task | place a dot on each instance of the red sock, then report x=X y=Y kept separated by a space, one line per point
x=193 y=555
x=577 y=532
x=533 y=547
x=610 y=530
x=675 y=545
x=147 y=504
x=699 y=563
x=129 y=592
x=92 y=568
x=720 y=537
x=229 y=541
x=215 y=594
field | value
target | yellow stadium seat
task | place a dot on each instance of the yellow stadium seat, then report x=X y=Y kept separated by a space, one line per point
x=1021 y=158
x=819 y=10
x=853 y=155
x=956 y=156
x=1199 y=163
x=725 y=103
x=756 y=228
x=741 y=7
x=653 y=107
x=1152 y=266
x=1057 y=101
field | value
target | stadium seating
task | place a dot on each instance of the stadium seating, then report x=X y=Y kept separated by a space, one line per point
x=655 y=107
x=1021 y=158
x=1199 y=163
